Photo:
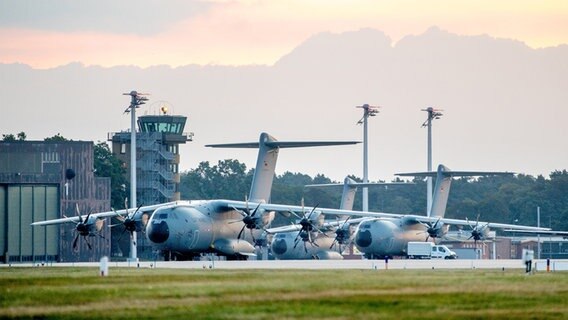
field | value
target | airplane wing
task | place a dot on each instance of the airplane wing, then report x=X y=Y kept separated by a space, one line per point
x=473 y=223
x=543 y=232
x=326 y=225
x=456 y=173
x=298 y=209
x=380 y=215
x=102 y=215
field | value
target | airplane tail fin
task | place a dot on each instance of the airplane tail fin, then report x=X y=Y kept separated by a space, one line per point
x=268 y=148
x=443 y=183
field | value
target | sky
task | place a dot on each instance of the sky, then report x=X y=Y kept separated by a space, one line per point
x=49 y=33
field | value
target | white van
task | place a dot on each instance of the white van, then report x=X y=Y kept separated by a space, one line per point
x=428 y=250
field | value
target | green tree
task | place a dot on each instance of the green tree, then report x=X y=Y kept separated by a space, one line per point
x=21 y=136
x=226 y=180
x=9 y=137
x=57 y=137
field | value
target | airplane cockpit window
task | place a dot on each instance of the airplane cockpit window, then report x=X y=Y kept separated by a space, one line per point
x=280 y=236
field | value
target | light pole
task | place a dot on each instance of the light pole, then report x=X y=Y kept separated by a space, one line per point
x=136 y=100
x=538 y=226
x=368 y=111
x=432 y=115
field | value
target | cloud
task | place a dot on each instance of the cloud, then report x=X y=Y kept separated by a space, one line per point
x=47 y=34
x=108 y=16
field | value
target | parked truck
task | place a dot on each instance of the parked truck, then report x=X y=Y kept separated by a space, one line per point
x=429 y=250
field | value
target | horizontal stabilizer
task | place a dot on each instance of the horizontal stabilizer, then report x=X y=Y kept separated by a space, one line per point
x=283 y=144
x=359 y=184
x=449 y=173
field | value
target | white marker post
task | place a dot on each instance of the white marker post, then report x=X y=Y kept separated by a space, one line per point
x=104 y=267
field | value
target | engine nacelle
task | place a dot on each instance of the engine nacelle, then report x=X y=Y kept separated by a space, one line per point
x=328 y=255
x=232 y=247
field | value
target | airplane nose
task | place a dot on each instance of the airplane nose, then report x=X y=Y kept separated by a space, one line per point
x=279 y=246
x=363 y=239
x=158 y=232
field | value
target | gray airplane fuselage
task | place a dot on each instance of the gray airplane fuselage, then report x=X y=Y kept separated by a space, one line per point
x=282 y=247
x=378 y=238
x=198 y=228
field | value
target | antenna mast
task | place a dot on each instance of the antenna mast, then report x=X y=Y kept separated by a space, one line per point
x=432 y=115
x=136 y=100
x=368 y=111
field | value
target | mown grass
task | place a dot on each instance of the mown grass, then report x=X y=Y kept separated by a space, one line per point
x=70 y=293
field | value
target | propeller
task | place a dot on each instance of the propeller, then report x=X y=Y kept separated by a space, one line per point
x=342 y=235
x=82 y=228
x=250 y=220
x=129 y=222
x=478 y=232
x=306 y=228
x=433 y=230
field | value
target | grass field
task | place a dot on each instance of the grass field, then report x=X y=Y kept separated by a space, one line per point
x=56 y=292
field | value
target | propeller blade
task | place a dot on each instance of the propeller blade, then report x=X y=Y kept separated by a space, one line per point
x=135 y=212
x=240 y=233
x=314 y=209
x=88 y=244
x=299 y=236
x=78 y=213
x=240 y=212
x=75 y=241
x=333 y=243
x=87 y=218
x=254 y=211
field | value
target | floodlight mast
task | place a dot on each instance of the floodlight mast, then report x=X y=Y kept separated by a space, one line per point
x=432 y=115
x=368 y=111
x=136 y=100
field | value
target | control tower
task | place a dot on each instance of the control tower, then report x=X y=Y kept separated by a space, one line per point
x=157 y=166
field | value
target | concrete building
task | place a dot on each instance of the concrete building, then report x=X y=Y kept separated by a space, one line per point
x=34 y=187
x=157 y=143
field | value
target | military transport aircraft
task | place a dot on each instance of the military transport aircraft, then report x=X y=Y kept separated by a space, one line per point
x=378 y=238
x=330 y=238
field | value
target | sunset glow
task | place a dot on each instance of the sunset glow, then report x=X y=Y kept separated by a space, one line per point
x=261 y=32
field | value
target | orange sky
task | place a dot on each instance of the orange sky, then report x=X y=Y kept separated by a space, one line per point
x=260 y=32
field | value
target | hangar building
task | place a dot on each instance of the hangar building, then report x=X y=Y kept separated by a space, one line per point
x=34 y=187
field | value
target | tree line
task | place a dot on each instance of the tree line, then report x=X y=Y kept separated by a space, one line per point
x=504 y=199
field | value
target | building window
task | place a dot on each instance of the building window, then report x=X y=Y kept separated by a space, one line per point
x=123 y=148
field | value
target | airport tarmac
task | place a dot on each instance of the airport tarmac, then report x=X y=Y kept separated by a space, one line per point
x=539 y=265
